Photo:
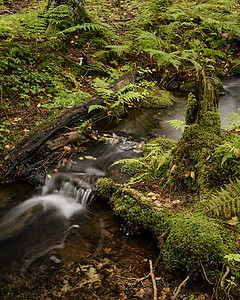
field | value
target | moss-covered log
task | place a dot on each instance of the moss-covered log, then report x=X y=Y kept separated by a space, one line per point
x=17 y=159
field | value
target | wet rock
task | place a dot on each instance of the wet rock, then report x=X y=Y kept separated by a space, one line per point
x=12 y=224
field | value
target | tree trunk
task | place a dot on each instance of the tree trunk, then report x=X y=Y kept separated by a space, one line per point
x=78 y=12
x=18 y=159
x=202 y=108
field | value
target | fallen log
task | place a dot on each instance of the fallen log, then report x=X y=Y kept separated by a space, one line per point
x=17 y=159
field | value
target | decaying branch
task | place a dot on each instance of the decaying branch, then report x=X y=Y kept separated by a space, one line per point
x=17 y=159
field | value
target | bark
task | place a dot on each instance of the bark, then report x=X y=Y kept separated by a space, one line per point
x=78 y=15
x=19 y=158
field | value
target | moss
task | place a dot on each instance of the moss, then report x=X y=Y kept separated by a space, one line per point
x=188 y=86
x=104 y=188
x=155 y=162
x=157 y=98
x=235 y=66
x=195 y=245
x=160 y=145
x=190 y=158
x=211 y=122
x=218 y=85
x=191 y=109
x=137 y=214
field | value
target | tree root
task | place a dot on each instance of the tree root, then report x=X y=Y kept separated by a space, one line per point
x=222 y=284
x=180 y=286
x=153 y=280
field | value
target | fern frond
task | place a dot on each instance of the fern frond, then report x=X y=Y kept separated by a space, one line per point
x=86 y=27
x=124 y=161
x=177 y=124
x=163 y=57
x=226 y=202
x=96 y=106
x=118 y=49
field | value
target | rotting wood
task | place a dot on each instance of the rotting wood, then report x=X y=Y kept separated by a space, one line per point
x=17 y=159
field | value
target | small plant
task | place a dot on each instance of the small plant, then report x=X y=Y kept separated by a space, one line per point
x=4 y=133
x=66 y=98
x=225 y=203
x=177 y=124
x=232 y=120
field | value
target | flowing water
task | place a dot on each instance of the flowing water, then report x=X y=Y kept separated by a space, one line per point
x=59 y=241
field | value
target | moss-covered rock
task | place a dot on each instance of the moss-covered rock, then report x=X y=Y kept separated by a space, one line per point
x=104 y=188
x=157 y=98
x=188 y=86
x=195 y=245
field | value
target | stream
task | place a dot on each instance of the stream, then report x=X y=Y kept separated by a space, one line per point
x=62 y=242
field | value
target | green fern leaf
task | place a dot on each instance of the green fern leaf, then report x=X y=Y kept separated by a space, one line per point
x=96 y=106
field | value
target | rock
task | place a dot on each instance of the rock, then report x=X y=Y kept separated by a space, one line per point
x=13 y=224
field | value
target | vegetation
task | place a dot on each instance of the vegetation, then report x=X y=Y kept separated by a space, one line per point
x=50 y=60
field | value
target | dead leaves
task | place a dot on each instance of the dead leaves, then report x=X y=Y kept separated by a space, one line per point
x=161 y=202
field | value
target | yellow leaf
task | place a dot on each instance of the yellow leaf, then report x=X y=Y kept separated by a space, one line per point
x=81 y=158
x=90 y=157
x=49 y=176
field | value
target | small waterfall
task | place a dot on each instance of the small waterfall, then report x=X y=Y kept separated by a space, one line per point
x=62 y=196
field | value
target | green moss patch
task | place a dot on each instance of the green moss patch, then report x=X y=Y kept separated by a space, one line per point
x=195 y=245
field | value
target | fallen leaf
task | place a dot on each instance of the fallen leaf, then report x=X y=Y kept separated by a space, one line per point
x=123 y=296
x=90 y=157
x=67 y=148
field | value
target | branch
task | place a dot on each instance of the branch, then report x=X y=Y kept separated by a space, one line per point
x=153 y=280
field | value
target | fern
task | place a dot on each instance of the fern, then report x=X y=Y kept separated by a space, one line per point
x=163 y=57
x=118 y=49
x=59 y=15
x=96 y=106
x=177 y=124
x=149 y=40
x=126 y=160
x=229 y=150
x=225 y=202
x=232 y=120
x=86 y=27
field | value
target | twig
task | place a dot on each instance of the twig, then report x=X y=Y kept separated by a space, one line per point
x=222 y=284
x=153 y=280
x=180 y=286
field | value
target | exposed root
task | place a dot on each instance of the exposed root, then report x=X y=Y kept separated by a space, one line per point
x=153 y=280
x=180 y=286
x=222 y=284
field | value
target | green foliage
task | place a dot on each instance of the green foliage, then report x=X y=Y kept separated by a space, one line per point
x=4 y=131
x=232 y=120
x=229 y=150
x=116 y=102
x=104 y=187
x=191 y=166
x=235 y=66
x=177 y=124
x=159 y=5
x=91 y=27
x=226 y=202
x=66 y=98
x=59 y=15
x=195 y=245
x=191 y=109
x=155 y=161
